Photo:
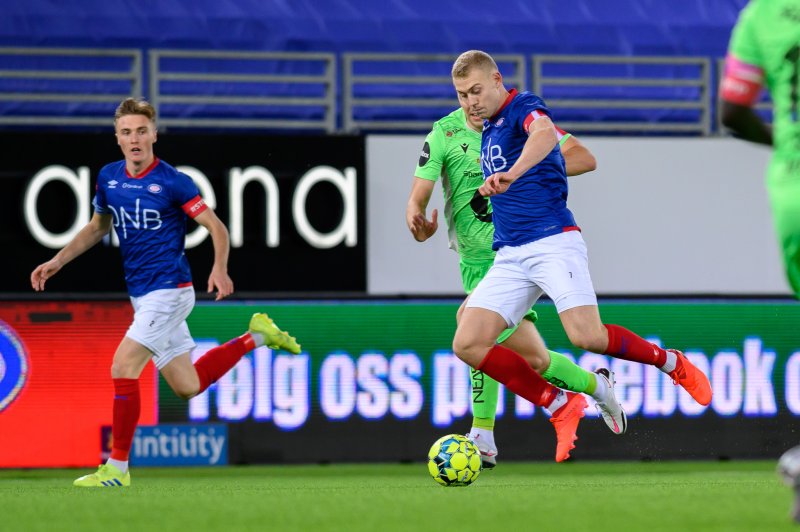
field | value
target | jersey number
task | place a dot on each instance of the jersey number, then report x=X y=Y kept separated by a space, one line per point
x=793 y=56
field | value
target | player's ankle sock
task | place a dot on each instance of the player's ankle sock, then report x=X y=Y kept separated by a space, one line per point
x=122 y=465
x=626 y=345
x=484 y=395
x=558 y=401
x=218 y=361
x=483 y=423
x=258 y=339
x=600 y=392
x=485 y=435
x=125 y=418
x=507 y=367
x=670 y=364
x=564 y=373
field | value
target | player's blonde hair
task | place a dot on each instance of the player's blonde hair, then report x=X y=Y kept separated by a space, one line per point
x=473 y=59
x=134 y=106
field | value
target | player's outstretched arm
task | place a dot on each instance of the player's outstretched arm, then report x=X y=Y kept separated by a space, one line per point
x=745 y=123
x=87 y=237
x=218 y=279
x=542 y=139
x=577 y=157
x=421 y=228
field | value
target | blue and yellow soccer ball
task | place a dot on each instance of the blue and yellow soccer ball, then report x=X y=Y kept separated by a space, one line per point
x=454 y=461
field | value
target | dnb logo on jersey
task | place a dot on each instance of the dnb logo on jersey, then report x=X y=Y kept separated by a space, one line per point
x=13 y=365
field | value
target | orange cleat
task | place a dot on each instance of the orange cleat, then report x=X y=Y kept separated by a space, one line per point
x=565 y=420
x=692 y=379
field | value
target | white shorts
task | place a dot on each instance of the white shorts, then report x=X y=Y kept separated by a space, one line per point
x=557 y=266
x=159 y=323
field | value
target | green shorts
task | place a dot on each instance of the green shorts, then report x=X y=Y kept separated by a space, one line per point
x=471 y=274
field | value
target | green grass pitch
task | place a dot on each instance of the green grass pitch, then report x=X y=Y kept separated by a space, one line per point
x=515 y=497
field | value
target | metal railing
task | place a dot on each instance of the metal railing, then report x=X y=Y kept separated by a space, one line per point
x=237 y=80
x=697 y=81
x=371 y=92
x=389 y=72
x=40 y=67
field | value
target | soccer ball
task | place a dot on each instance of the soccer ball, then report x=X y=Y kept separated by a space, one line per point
x=454 y=460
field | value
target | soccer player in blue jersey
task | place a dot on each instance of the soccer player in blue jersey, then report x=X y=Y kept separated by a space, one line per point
x=539 y=245
x=147 y=202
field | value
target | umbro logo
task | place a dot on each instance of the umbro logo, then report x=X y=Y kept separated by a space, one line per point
x=113 y=183
x=464 y=147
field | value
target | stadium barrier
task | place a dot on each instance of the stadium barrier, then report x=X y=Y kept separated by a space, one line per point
x=66 y=86
x=252 y=90
x=373 y=92
x=377 y=381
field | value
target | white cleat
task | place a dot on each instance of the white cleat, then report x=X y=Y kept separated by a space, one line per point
x=789 y=471
x=488 y=450
x=610 y=409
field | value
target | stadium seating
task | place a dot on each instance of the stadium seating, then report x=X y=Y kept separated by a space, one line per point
x=623 y=28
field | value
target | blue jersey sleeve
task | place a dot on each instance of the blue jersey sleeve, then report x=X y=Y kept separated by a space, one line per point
x=183 y=188
x=99 y=201
x=527 y=109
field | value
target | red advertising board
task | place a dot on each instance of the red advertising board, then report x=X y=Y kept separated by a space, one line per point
x=55 y=381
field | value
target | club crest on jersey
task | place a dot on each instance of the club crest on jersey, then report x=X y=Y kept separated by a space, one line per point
x=154 y=188
x=13 y=365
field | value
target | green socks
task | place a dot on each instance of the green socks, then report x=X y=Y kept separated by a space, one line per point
x=561 y=372
x=564 y=373
x=484 y=399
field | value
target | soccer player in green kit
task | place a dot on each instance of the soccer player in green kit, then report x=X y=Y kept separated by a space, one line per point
x=452 y=150
x=765 y=48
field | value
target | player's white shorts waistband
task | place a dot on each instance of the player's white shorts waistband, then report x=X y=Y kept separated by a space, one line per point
x=557 y=266
x=159 y=323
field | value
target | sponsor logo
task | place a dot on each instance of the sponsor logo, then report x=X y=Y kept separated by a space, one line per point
x=113 y=183
x=13 y=365
x=425 y=156
x=500 y=122
x=190 y=444
x=128 y=185
x=154 y=188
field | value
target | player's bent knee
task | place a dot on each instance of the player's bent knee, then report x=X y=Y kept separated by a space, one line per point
x=469 y=350
x=588 y=342
x=123 y=370
x=186 y=391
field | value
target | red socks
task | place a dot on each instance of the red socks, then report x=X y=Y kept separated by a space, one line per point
x=126 y=416
x=218 y=361
x=507 y=367
x=626 y=345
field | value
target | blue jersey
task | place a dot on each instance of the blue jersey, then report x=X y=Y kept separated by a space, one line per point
x=149 y=214
x=535 y=205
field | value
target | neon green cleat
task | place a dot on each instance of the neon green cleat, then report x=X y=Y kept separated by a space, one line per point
x=274 y=337
x=107 y=476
